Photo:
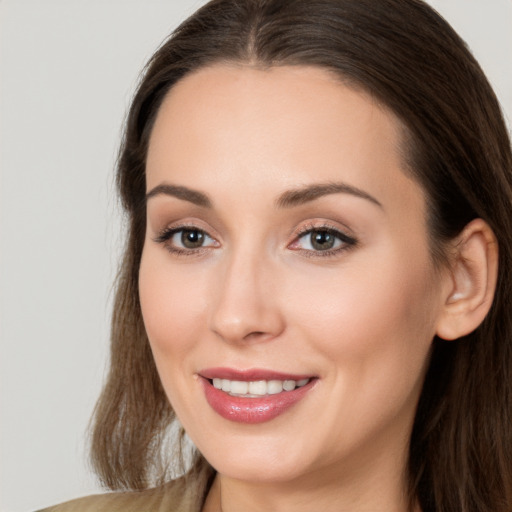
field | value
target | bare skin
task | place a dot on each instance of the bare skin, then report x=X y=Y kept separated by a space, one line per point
x=236 y=148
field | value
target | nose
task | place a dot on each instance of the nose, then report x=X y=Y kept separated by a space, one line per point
x=245 y=307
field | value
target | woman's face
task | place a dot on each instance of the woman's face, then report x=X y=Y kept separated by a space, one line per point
x=286 y=262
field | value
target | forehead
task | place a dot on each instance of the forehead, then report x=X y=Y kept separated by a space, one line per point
x=275 y=128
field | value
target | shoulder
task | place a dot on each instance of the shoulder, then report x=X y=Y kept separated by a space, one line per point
x=161 y=499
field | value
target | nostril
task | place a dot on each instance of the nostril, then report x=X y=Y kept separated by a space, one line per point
x=254 y=334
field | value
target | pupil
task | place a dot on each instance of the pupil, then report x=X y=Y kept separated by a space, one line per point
x=192 y=238
x=322 y=240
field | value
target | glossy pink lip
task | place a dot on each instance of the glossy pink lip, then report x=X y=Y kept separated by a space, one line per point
x=250 y=374
x=251 y=410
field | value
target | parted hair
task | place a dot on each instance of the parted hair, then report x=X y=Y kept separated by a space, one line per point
x=455 y=144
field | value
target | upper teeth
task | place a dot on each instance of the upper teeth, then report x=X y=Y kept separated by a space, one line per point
x=257 y=387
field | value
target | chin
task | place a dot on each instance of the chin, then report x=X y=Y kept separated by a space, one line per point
x=259 y=460
x=259 y=471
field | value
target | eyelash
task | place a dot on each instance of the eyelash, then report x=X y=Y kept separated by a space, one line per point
x=347 y=242
x=166 y=235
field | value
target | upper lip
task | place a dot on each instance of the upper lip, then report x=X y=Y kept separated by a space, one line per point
x=250 y=374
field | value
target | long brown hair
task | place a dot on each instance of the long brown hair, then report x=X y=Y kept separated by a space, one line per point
x=456 y=146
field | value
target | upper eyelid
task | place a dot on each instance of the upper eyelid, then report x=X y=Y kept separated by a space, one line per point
x=323 y=226
x=180 y=225
x=305 y=231
x=172 y=230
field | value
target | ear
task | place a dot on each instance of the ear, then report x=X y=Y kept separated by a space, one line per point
x=471 y=284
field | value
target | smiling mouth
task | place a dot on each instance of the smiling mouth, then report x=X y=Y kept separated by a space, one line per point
x=253 y=396
x=257 y=388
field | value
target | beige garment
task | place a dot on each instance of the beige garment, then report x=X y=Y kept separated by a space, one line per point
x=172 y=497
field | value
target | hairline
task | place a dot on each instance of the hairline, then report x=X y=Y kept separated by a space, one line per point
x=406 y=140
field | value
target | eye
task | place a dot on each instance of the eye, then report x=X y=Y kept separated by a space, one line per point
x=185 y=239
x=190 y=238
x=323 y=240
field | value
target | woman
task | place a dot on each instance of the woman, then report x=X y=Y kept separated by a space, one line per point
x=315 y=281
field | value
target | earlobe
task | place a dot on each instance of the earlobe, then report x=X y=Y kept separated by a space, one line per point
x=472 y=281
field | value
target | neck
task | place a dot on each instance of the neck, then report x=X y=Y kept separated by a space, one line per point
x=361 y=490
x=372 y=477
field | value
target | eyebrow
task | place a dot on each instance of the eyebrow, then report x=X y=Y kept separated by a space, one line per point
x=287 y=199
x=184 y=193
x=309 y=193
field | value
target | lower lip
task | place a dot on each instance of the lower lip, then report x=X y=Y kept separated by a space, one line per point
x=253 y=410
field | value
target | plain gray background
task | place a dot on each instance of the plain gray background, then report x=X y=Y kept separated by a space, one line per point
x=67 y=72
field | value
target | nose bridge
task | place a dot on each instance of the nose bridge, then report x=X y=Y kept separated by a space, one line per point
x=245 y=305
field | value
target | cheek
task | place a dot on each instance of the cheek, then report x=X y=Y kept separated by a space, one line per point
x=371 y=333
x=173 y=308
x=370 y=319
